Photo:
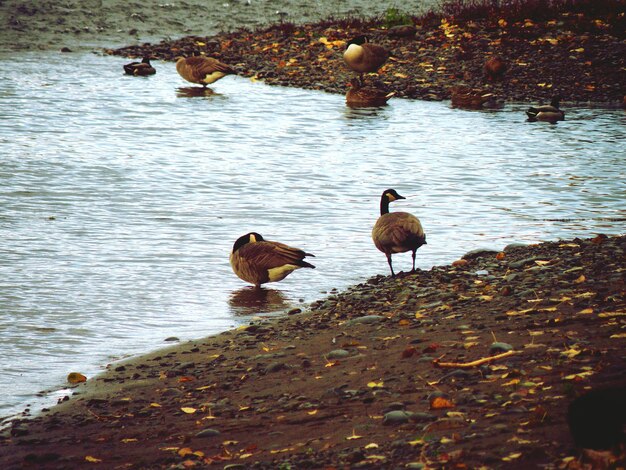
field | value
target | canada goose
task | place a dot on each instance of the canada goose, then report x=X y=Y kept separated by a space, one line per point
x=142 y=68
x=495 y=67
x=362 y=96
x=549 y=113
x=396 y=232
x=363 y=56
x=202 y=70
x=466 y=97
x=257 y=261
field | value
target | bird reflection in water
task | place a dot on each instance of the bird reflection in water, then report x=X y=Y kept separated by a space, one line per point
x=194 y=92
x=251 y=301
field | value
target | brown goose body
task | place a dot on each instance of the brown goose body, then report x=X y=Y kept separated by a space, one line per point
x=258 y=261
x=364 y=57
x=202 y=70
x=140 y=69
x=362 y=96
x=396 y=232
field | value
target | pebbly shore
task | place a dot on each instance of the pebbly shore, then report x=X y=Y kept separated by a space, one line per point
x=471 y=365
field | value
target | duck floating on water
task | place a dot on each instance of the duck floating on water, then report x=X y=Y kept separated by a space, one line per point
x=548 y=113
x=359 y=96
x=140 y=69
x=466 y=97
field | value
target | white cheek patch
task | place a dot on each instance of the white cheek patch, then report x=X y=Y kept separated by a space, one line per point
x=281 y=272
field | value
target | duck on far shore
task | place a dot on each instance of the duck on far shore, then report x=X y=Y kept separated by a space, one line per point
x=364 y=57
x=548 y=113
x=365 y=96
x=140 y=69
x=494 y=67
x=202 y=70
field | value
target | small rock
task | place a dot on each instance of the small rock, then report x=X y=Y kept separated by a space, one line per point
x=338 y=354
x=208 y=433
x=396 y=417
x=499 y=347
x=367 y=320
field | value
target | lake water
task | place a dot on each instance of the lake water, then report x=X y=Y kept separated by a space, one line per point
x=121 y=197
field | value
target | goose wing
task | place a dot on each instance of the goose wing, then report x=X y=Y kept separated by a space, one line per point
x=269 y=255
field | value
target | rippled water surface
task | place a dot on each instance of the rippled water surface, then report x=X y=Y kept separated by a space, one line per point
x=120 y=198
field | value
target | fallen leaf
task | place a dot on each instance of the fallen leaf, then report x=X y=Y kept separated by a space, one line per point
x=375 y=384
x=126 y=441
x=76 y=378
x=91 y=459
x=513 y=456
x=580 y=279
x=439 y=403
x=353 y=436
x=188 y=410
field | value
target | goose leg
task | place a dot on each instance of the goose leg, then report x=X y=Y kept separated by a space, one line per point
x=390 y=266
x=413 y=270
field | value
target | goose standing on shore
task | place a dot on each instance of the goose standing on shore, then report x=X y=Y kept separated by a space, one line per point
x=202 y=70
x=549 y=112
x=140 y=69
x=363 y=56
x=396 y=232
x=258 y=261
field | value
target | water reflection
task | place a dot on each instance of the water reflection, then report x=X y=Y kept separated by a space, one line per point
x=195 y=92
x=250 y=300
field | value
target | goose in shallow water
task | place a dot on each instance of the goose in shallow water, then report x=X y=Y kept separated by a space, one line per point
x=140 y=69
x=549 y=112
x=396 y=232
x=258 y=261
x=202 y=70
x=363 y=56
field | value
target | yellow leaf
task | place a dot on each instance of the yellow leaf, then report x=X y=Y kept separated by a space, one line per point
x=400 y=75
x=185 y=451
x=445 y=440
x=417 y=442
x=126 y=441
x=91 y=459
x=579 y=375
x=155 y=405
x=540 y=262
x=571 y=353
x=375 y=384
x=586 y=311
x=511 y=382
x=580 y=49
x=371 y=445
x=513 y=456
x=618 y=336
x=312 y=412
x=200 y=43
x=245 y=456
x=580 y=279
x=353 y=436
x=188 y=410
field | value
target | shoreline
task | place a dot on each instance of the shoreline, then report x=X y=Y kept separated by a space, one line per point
x=355 y=379
x=576 y=57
